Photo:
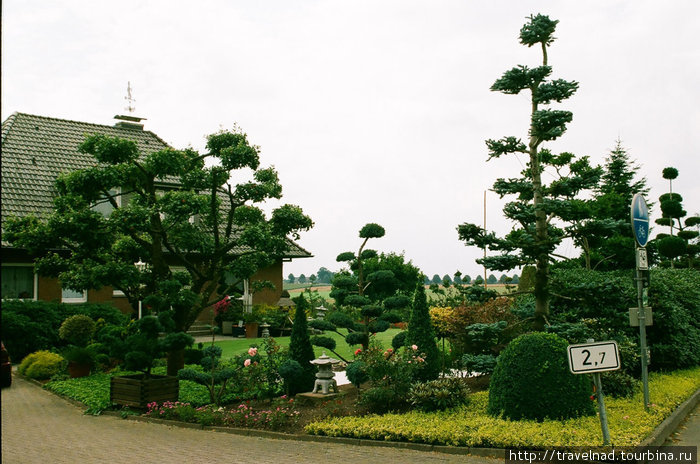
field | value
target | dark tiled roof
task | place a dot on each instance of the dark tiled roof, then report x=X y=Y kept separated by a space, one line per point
x=36 y=149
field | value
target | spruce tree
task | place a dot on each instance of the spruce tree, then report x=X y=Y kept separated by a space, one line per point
x=300 y=348
x=421 y=334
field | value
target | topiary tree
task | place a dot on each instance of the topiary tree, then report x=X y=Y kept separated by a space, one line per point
x=421 y=333
x=301 y=350
x=77 y=330
x=532 y=381
x=684 y=243
x=544 y=213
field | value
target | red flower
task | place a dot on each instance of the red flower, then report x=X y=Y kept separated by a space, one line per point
x=358 y=351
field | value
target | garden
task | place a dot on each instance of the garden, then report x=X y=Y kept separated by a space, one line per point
x=462 y=365
x=459 y=375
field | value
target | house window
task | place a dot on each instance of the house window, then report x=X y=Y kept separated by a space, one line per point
x=104 y=206
x=71 y=296
x=242 y=287
x=19 y=282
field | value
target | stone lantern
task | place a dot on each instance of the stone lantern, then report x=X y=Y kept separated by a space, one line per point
x=325 y=375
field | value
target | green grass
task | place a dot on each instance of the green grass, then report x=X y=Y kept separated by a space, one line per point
x=471 y=426
x=236 y=346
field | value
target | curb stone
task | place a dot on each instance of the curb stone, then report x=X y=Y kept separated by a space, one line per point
x=656 y=438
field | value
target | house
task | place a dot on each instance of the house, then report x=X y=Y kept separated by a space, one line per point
x=35 y=150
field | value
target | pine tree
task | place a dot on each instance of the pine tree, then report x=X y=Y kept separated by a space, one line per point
x=544 y=214
x=421 y=334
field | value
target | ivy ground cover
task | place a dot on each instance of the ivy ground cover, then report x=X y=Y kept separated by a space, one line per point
x=471 y=426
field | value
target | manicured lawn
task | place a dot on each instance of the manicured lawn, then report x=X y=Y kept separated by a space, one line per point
x=235 y=346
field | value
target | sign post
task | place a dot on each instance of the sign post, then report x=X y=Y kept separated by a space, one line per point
x=594 y=358
x=640 y=228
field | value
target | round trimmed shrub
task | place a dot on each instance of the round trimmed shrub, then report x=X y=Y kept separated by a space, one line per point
x=77 y=329
x=532 y=381
x=41 y=365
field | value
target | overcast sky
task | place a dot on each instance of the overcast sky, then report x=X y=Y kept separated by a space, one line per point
x=371 y=111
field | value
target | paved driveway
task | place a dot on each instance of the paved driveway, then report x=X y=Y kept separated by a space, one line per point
x=39 y=427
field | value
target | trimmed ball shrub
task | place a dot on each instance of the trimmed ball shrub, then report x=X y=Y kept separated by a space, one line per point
x=77 y=329
x=532 y=381
x=41 y=365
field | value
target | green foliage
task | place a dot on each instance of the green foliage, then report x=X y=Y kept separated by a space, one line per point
x=619 y=384
x=151 y=219
x=439 y=394
x=356 y=372
x=479 y=364
x=674 y=338
x=292 y=373
x=301 y=350
x=471 y=426
x=536 y=235
x=77 y=329
x=41 y=365
x=80 y=355
x=215 y=374
x=280 y=413
x=29 y=326
x=532 y=381
x=420 y=333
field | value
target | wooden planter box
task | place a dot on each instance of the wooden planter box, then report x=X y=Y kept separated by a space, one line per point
x=138 y=391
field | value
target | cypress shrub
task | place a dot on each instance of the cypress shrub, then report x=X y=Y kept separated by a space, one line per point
x=421 y=333
x=301 y=350
x=532 y=381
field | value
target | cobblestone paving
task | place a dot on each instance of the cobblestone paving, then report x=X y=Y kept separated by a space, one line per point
x=38 y=427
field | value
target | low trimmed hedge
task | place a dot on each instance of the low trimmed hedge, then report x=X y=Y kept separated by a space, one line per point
x=472 y=426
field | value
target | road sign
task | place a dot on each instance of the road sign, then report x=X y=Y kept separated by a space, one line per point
x=642 y=261
x=640 y=220
x=648 y=316
x=588 y=358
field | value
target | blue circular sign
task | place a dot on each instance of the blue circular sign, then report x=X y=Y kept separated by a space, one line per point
x=640 y=220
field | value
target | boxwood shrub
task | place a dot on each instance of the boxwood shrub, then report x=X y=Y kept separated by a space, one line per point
x=532 y=381
x=41 y=365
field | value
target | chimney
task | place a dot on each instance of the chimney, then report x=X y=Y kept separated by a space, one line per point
x=129 y=122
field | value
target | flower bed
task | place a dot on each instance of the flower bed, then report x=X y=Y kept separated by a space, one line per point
x=471 y=426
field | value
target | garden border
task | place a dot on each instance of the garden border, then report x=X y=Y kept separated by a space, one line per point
x=656 y=438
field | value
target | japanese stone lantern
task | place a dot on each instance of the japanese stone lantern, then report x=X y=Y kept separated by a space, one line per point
x=324 y=376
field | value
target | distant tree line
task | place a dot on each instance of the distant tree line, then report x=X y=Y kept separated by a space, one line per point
x=464 y=279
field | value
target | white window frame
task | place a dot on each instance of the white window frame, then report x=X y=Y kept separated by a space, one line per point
x=82 y=299
x=36 y=280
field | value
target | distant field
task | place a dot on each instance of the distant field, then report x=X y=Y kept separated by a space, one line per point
x=325 y=290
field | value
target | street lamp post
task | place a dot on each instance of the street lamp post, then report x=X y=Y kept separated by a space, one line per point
x=140 y=266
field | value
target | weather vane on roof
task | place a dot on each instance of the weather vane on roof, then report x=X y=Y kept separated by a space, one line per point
x=129 y=98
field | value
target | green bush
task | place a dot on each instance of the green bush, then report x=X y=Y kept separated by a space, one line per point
x=532 y=381
x=29 y=326
x=357 y=373
x=77 y=329
x=439 y=394
x=479 y=364
x=471 y=426
x=301 y=350
x=619 y=384
x=602 y=300
x=41 y=365
x=421 y=334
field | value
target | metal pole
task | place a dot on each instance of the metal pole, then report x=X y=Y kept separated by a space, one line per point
x=601 y=409
x=643 y=337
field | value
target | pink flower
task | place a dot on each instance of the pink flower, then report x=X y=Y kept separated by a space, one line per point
x=252 y=351
x=414 y=347
x=246 y=363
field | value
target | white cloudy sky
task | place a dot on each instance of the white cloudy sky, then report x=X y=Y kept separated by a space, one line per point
x=371 y=110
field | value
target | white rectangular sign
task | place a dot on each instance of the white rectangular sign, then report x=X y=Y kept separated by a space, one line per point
x=588 y=358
